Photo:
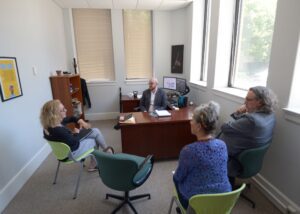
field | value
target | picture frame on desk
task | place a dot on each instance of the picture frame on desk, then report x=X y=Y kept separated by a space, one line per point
x=10 y=85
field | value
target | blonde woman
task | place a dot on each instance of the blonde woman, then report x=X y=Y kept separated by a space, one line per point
x=53 y=119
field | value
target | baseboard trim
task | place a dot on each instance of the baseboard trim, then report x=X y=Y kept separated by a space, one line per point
x=102 y=116
x=280 y=200
x=16 y=183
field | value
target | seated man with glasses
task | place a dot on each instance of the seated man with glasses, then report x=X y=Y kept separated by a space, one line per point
x=252 y=126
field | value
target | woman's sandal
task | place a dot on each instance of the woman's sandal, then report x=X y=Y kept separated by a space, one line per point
x=92 y=169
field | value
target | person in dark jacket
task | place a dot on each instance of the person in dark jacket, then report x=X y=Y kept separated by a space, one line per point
x=153 y=98
x=252 y=126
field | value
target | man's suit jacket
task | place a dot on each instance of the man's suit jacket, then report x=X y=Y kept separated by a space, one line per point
x=160 y=101
x=250 y=130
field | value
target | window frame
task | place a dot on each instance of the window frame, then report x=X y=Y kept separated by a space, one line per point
x=234 y=43
x=205 y=34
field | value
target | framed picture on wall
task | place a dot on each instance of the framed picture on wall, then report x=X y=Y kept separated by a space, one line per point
x=10 y=85
x=177 y=59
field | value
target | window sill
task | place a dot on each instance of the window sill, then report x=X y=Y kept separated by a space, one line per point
x=137 y=81
x=199 y=85
x=233 y=94
x=101 y=82
x=292 y=114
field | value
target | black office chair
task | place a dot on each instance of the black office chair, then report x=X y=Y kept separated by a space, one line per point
x=251 y=161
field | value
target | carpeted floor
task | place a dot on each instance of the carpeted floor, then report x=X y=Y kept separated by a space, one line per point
x=39 y=195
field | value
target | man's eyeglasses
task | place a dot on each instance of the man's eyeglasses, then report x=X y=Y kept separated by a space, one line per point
x=250 y=99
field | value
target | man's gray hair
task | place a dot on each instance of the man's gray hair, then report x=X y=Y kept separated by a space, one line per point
x=267 y=97
x=154 y=79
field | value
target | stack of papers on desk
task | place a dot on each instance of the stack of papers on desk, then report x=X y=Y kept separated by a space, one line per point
x=131 y=120
x=162 y=113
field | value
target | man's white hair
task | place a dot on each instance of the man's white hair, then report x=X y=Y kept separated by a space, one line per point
x=154 y=79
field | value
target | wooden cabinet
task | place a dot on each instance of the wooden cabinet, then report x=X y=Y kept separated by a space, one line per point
x=67 y=89
x=128 y=104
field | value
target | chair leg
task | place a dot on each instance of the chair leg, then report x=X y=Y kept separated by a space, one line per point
x=135 y=197
x=248 y=199
x=78 y=179
x=119 y=207
x=132 y=207
x=171 y=204
x=126 y=199
x=56 y=173
x=115 y=196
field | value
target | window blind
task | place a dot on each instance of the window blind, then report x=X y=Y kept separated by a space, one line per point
x=93 y=38
x=137 y=26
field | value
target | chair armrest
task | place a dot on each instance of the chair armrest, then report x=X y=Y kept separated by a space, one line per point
x=109 y=147
x=149 y=157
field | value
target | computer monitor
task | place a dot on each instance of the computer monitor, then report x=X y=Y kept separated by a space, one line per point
x=169 y=83
x=181 y=86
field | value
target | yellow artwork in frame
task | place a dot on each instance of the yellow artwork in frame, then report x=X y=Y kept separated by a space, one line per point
x=10 y=86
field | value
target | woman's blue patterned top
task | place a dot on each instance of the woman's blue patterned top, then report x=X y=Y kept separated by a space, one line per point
x=202 y=168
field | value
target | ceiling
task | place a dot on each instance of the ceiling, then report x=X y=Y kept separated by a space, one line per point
x=125 y=4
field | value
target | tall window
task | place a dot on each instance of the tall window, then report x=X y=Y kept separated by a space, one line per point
x=201 y=14
x=252 y=42
x=93 y=37
x=138 y=43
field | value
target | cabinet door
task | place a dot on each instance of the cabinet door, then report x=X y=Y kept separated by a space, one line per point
x=76 y=96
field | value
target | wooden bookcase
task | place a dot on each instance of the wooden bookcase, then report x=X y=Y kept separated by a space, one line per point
x=67 y=89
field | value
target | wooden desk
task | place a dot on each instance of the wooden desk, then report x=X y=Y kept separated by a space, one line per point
x=129 y=103
x=163 y=137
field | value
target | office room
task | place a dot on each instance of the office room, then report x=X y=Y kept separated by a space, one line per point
x=39 y=36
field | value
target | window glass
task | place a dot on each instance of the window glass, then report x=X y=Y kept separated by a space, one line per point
x=254 y=33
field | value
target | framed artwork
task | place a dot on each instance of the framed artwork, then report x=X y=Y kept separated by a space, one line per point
x=177 y=59
x=10 y=85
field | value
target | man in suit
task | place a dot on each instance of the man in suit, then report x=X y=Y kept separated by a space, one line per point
x=153 y=98
x=252 y=126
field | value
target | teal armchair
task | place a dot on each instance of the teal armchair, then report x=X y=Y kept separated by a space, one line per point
x=251 y=161
x=124 y=172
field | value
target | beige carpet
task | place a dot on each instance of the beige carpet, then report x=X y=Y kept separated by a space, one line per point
x=39 y=195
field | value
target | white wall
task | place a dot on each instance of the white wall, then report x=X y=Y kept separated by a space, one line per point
x=281 y=166
x=169 y=28
x=279 y=178
x=33 y=32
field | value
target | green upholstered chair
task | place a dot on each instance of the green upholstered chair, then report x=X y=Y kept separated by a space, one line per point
x=251 y=161
x=124 y=172
x=63 y=154
x=218 y=203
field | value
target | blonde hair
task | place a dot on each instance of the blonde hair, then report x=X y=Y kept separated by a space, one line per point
x=50 y=114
